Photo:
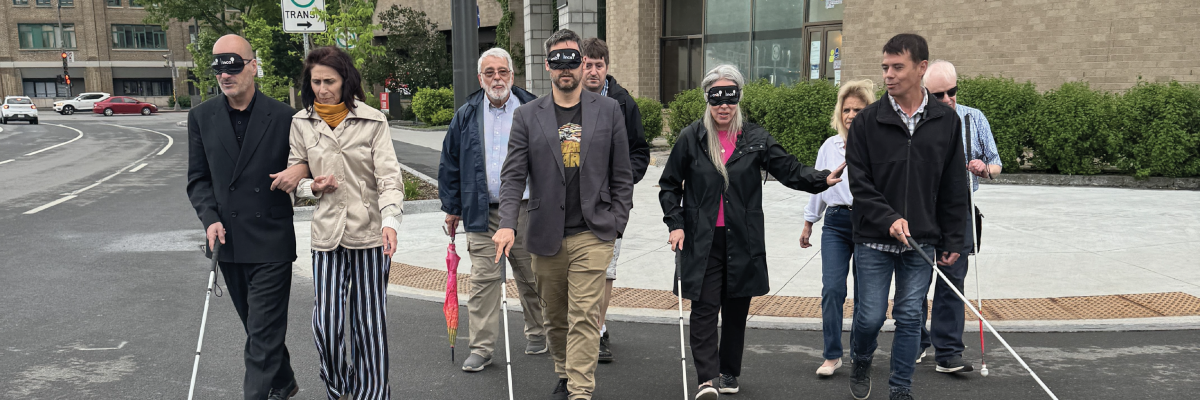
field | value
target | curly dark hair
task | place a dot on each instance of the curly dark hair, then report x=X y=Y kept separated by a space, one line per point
x=341 y=62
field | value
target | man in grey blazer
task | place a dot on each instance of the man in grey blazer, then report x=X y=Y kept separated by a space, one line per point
x=572 y=150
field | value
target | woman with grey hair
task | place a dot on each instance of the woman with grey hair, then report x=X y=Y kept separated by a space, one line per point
x=711 y=194
x=837 y=235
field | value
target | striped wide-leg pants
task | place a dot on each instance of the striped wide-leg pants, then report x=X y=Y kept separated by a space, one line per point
x=353 y=281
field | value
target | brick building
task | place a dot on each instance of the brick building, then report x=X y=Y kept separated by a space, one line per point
x=660 y=47
x=113 y=50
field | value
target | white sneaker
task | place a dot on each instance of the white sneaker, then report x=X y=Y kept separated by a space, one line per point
x=923 y=352
x=707 y=393
x=827 y=370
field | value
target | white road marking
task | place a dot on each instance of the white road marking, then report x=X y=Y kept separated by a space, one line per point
x=60 y=144
x=50 y=204
x=102 y=348
x=76 y=193
x=139 y=168
x=170 y=140
x=6 y=161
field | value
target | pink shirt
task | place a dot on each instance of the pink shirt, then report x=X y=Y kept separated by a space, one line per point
x=727 y=144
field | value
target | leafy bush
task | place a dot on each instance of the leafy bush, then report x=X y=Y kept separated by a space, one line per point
x=407 y=114
x=185 y=101
x=1007 y=106
x=758 y=98
x=372 y=101
x=651 y=117
x=442 y=117
x=428 y=103
x=1072 y=129
x=687 y=107
x=170 y=102
x=1159 y=130
x=798 y=117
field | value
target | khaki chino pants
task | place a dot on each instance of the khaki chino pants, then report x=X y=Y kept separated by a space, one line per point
x=483 y=306
x=572 y=284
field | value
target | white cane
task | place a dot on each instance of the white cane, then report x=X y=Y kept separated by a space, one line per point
x=212 y=279
x=679 y=296
x=504 y=312
x=975 y=252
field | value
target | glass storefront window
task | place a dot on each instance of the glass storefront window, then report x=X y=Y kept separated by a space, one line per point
x=778 y=54
x=683 y=17
x=825 y=10
x=727 y=34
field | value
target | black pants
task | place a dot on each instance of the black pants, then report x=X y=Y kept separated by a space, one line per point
x=260 y=293
x=945 y=332
x=711 y=359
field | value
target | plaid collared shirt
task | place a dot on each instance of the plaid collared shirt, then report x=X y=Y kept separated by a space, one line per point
x=911 y=122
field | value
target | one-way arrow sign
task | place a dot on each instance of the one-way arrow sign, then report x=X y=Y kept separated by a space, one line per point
x=298 y=16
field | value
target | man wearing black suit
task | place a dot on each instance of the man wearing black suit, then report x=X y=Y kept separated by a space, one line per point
x=237 y=182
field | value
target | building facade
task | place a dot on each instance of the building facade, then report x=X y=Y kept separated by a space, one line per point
x=110 y=47
x=662 y=47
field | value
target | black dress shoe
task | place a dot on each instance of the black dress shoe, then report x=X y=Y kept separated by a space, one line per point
x=285 y=393
x=560 y=390
x=606 y=355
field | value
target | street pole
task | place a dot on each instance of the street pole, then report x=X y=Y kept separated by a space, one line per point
x=62 y=47
x=170 y=56
x=464 y=36
x=306 y=48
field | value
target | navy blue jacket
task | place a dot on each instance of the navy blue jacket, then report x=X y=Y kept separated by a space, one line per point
x=462 y=173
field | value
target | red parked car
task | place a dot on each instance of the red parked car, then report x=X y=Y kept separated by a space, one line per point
x=123 y=105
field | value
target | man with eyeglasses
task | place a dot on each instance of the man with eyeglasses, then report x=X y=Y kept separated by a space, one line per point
x=473 y=154
x=946 y=327
x=237 y=154
x=597 y=80
x=571 y=151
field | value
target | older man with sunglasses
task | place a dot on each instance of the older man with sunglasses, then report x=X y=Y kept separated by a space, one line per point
x=237 y=151
x=946 y=328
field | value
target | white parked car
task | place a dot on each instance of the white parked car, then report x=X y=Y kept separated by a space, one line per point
x=18 y=108
x=82 y=102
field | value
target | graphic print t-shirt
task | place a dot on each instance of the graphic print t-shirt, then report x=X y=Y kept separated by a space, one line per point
x=570 y=135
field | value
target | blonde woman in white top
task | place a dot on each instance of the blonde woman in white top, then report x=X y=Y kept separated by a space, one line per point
x=837 y=239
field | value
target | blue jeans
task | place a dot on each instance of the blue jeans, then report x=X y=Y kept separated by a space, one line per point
x=875 y=269
x=837 y=248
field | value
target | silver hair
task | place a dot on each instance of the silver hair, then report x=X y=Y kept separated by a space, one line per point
x=495 y=52
x=729 y=72
x=940 y=67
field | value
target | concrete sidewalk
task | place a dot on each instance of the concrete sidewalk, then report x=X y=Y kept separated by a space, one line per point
x=1042 y=243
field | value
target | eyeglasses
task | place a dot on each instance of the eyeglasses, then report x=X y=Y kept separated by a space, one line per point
x=504 y=73
x=941 y=95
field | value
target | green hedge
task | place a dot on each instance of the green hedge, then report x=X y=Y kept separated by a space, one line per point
x=1007 y=105
x=1153 y=129
x=433 y=105
x=651 y=117
x=1159 y=126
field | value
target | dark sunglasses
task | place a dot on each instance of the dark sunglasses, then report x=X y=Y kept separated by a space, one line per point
x=228 y=63
x=724 y=95
x=564 y=59
x=941 y=95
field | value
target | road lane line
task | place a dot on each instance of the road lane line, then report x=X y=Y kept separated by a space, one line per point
x=170 y=141
x=60 y=144
x=139 y=168
x=50 y=204
x=6 y=161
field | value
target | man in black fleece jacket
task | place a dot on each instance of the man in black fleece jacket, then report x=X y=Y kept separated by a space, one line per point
x=907 y=175
x=596 y=79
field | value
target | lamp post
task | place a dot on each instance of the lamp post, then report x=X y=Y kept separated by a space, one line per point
x=170 y=57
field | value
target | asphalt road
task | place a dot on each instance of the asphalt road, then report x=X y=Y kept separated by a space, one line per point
x=102 y=295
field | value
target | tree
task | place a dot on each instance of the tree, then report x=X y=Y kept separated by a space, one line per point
x=415 y=52
x=262 y=35
x=349 y=26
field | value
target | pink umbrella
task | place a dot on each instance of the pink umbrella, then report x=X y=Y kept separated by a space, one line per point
x=450 y=307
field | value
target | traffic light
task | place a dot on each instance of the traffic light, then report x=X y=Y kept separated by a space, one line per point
x=64 y=58
x=68 y=79
x=60 y=80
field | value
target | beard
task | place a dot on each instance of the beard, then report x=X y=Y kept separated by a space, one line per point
x=570 y=85
x=498 y=95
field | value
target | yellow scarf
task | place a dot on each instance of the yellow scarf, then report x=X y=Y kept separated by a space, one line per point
x=332 y=114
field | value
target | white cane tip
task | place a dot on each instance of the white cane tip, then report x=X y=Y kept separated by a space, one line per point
x=984 y=372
